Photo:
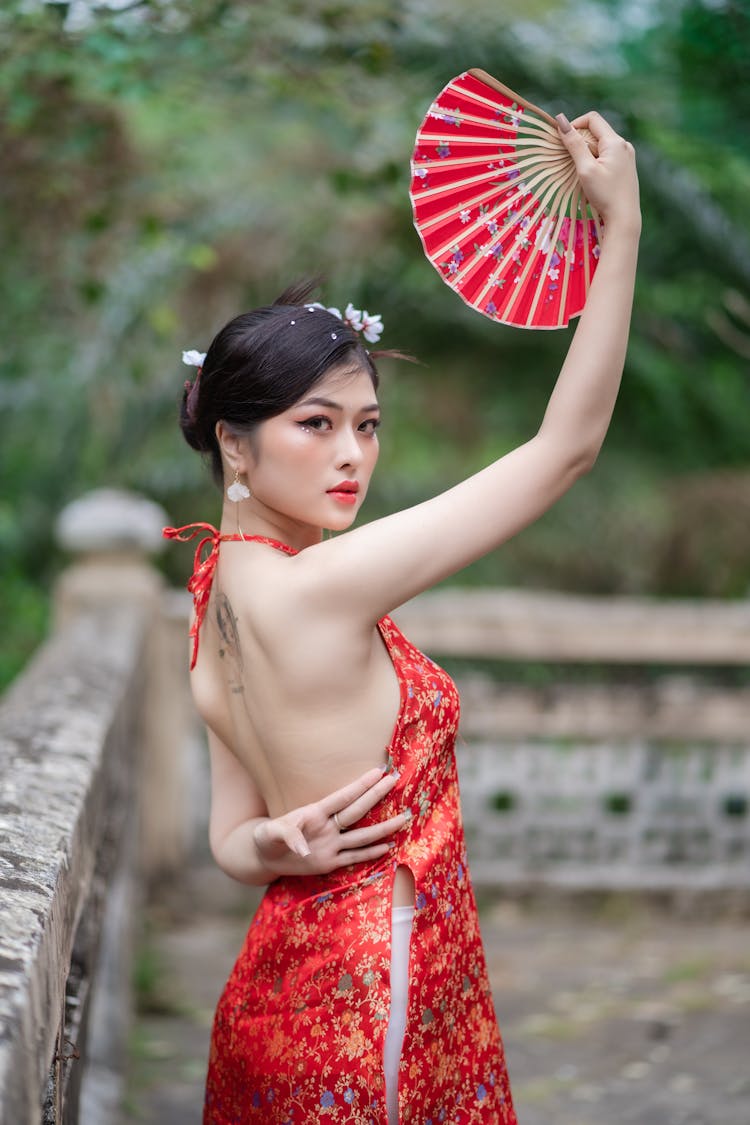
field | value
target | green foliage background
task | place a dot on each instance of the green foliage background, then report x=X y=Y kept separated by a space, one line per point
x=167 y=164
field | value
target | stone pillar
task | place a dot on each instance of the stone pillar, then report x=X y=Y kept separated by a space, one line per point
x=113 y=534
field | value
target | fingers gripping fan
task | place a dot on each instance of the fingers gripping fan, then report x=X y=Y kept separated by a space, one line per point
x=499 y=207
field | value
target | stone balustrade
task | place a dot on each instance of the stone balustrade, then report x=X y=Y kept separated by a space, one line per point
x=87 y=736
x=640 y=780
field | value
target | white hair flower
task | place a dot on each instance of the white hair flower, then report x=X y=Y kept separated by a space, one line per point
x=372 y=327
x=193 y=358
x=353 y=317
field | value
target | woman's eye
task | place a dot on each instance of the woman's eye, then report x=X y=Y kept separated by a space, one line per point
x=317 y=423
x=370 y=425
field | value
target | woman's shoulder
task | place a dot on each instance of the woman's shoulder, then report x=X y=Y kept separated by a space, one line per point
x=273 y=593
x=255 y=570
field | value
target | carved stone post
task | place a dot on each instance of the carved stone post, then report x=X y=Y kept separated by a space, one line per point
x=113 y=535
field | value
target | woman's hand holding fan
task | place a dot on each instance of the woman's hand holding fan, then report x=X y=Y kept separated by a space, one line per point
x=507 y=207
x=608 y=177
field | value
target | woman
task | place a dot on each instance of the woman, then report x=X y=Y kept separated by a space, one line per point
x=361 y=993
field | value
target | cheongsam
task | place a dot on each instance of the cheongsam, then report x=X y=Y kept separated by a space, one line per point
x=299 y=1030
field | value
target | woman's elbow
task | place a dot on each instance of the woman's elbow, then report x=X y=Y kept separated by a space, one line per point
x=586 y=460
x=568 y=460
x=576 y=463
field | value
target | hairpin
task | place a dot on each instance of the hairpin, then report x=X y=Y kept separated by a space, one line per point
x=371 y=326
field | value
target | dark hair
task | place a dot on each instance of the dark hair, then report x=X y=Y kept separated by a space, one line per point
x=262 y=362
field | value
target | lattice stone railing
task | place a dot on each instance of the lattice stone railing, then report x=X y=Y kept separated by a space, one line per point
x=642 y=783
x=639 y=814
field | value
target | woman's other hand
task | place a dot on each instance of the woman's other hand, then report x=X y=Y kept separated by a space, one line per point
x=322 y=836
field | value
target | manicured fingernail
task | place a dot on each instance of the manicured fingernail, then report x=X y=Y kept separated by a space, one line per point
x=563 y=123
x=396 y=775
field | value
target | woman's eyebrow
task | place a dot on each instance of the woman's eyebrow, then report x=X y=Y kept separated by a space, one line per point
x=331 y=405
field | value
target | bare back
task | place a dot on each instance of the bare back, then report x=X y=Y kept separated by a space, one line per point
x=306 y=702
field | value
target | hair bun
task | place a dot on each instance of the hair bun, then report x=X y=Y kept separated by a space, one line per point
x=188 y=419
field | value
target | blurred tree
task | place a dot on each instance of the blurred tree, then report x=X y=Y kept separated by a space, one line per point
x=168 y=163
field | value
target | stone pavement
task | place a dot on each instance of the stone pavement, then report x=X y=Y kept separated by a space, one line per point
x=613 y=1009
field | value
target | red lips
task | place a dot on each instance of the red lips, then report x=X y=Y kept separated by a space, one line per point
x=345 y=492
x=346 y=486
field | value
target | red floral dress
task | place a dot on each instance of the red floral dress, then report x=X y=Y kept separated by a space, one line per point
x=299 y=1030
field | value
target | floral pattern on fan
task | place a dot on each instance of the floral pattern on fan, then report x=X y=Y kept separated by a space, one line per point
x=499 y=208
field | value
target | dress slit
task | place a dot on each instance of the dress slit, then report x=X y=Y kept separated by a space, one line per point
x=402 y=921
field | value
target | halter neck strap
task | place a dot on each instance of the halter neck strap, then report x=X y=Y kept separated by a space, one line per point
x=202 y=577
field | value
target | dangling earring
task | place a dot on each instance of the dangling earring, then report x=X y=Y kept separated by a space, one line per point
x=237 y=490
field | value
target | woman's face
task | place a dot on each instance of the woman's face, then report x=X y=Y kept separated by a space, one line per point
x=312 y=464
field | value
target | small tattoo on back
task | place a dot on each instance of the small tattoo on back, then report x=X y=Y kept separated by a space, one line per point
x=227 y=625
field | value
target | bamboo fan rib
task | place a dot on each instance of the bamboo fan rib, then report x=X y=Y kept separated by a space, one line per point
x=499 y=208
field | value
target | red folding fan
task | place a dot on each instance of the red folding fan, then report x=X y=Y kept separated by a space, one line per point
x=499 y=207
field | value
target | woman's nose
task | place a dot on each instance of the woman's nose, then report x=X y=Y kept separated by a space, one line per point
x=348 y=451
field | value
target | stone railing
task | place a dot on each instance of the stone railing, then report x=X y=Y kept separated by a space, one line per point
x=87 y=799
x=640 y=780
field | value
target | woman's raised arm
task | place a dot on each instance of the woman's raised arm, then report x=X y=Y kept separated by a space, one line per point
x=394 y=558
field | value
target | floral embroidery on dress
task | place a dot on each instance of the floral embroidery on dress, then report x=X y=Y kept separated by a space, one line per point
x=299 y=1030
